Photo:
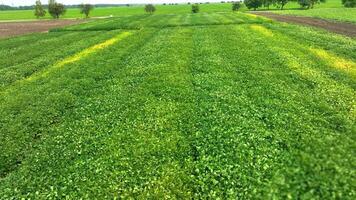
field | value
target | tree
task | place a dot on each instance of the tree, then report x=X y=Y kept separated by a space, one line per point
x=281 y=3
x=150 y=8
x=195 y=8
x=56 y=9
x=267 y=3
x=253 y=4
x=309 y=3
x=236 y=6
x=349 y=3
x=39 y=11
x=85 y=9
x=303 y=3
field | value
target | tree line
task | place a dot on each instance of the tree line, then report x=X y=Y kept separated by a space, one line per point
x=6 y=7
x=255 y=4
x=305 y=4
x=57 y=9
x=258 y=3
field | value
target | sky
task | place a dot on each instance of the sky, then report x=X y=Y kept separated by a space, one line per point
x=70 y=2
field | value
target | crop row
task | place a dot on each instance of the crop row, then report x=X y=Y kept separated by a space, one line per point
x=162 y=21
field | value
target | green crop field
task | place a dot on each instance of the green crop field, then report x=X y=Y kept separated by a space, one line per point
x=178 y=106
x=293 y=5
x=338 y=14
x=330 y=10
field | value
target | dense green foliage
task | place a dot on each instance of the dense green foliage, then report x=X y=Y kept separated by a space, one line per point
x=281 y=3
x=190 y=106
x=150 y=8
x=39 y=10
x=268 y=3
x=195 y=8
x=86 y=9
x=253 y=4
x=349 y=3
x=310 y=3
x=56 y=9
x=236 y=6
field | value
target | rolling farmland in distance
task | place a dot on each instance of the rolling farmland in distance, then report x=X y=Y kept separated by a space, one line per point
x=331 y=9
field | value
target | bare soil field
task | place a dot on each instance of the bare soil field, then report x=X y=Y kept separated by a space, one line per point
x=8 y=29
x=336 y=27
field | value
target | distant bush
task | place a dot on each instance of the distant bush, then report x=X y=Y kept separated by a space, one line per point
x=349 y=3
x=253 y=4
x=85 y=9
x=309 y=3
x=281 y=3
x=39 y=10
x=150 y=8
x=236 y=6
x=268 y=3
x=195 y=8
x=303 y=3
x=56 y=9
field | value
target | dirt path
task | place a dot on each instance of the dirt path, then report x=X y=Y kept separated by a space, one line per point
x=8 y=29
x=336 y=27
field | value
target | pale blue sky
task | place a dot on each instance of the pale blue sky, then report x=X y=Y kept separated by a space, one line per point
x=31 y=2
